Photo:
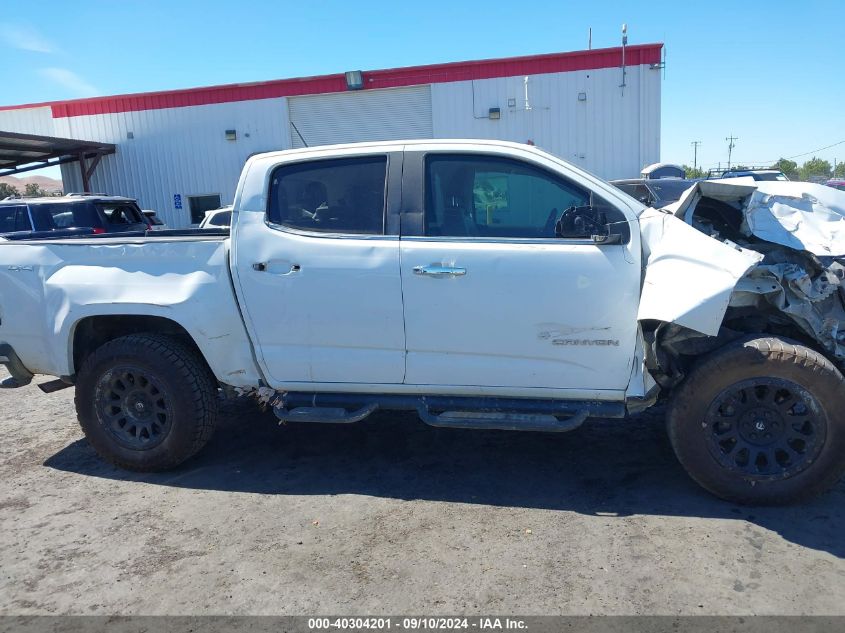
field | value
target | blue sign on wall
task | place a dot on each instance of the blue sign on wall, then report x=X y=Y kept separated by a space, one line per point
x=177 y=200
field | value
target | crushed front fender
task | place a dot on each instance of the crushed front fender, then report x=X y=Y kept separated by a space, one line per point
x=689 y=276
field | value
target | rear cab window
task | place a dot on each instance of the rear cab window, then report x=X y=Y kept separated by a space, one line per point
x=344 y=195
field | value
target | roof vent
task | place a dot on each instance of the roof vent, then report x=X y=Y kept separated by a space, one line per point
x=354 y=80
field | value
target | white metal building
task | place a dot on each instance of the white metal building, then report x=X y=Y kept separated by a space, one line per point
x=180 y=152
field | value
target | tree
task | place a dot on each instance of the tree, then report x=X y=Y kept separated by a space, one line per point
x=839 y=172
x=815 y=169
x=694 y=172
x=34 y=190
x=7 y=190
x=788 y=167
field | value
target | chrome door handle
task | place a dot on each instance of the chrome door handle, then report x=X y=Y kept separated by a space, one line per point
x=436 y=270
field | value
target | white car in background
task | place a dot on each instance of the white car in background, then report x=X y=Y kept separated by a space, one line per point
x=217 y=218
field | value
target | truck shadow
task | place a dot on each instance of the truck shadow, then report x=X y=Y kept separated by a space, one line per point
x=608 y=467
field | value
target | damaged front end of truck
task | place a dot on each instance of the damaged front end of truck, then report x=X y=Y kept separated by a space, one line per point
x=728 y=260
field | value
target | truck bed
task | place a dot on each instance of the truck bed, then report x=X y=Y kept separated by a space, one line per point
x=49 y=287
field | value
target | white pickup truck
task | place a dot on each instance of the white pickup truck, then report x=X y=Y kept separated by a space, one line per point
x=481 y=284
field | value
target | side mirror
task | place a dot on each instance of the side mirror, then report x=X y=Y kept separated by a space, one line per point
x=603 y=240
x=583 y=222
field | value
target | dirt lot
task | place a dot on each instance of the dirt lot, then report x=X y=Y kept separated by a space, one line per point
x=392 y=517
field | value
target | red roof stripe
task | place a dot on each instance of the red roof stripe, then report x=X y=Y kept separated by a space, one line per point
x=390 y=78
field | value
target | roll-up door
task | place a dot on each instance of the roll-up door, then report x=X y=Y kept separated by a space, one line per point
x=366 y=115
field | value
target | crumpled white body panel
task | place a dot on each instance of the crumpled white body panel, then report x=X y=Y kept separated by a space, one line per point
x=800 y=215
x=689 y=276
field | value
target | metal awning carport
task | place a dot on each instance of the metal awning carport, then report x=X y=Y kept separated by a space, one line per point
x=25 y=152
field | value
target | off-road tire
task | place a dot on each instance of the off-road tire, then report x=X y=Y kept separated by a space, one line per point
x=188 y=401
x=746 y=362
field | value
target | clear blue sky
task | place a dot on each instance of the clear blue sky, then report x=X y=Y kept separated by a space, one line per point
x=771 y=73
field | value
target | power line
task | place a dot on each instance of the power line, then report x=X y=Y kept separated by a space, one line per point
x=818 y=150
x=768 y=162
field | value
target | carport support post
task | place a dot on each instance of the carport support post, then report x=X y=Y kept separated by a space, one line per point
x=88 y=171
x=86 y=184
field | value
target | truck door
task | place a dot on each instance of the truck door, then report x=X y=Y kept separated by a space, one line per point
x=318 y=275
x=504 y=287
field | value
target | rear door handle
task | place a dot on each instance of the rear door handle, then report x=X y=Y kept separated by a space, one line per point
x=436 y=270
x=276 y=268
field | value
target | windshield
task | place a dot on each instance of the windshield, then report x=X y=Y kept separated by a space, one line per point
x=772 y=175
x=221 y=219
x=669 y=190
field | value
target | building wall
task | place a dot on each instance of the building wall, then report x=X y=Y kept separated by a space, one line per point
x=28 y=121
x=182 y=150
x=614 y=133
x=177 y=151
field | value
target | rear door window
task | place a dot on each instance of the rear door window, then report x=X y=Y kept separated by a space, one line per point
x=14 y=218
x=63 y=215
x=336 y=196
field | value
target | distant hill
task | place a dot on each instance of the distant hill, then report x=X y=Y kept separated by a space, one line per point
x=47 y=184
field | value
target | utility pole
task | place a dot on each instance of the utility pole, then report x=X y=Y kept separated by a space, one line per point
x=695 y=145
x=731 y=145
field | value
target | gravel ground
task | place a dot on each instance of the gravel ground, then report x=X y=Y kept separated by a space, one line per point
x=391 y=517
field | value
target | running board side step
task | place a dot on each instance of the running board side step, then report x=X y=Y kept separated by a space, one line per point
x=511 y=414
x=20 y=376
x=502 y=421
x=325 y=415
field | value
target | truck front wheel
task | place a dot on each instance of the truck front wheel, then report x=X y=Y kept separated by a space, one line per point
x=761 y=422
x=145 y=402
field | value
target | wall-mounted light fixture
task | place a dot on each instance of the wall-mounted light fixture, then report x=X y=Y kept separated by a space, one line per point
x=511 y=102
x=494 y=114
x=231 y=135
x=582 y=96
x=354 y=80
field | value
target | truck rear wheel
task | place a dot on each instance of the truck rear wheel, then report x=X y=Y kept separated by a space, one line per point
x=146 y=402
x=760 y=422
